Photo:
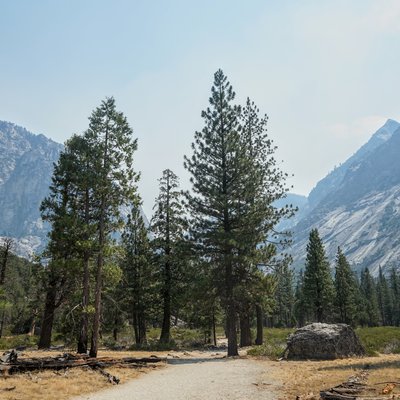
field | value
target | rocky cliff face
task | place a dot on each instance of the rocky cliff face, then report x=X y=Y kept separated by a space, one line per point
x=26 y=166
x=357 y=206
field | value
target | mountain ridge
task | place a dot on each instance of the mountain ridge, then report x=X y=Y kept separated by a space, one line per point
x=26 y=167
x=361 y=206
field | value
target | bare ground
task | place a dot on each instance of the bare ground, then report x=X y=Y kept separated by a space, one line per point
x=197 y=379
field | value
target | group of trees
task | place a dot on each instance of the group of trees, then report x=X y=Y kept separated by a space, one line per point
x=346 y=297
x=208 y=255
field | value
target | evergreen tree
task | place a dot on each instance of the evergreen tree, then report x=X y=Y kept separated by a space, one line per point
x=395 y=291
x=268 y=185
x=217 y=168
x=61 y=254
x=112 y=146
x=168 y=226
x=138 y=280
x=370 y=298
x=285 y=297
x=230 y=205
x=385 y=301
x=318 y=285
x=300 y=307
x=346 y=290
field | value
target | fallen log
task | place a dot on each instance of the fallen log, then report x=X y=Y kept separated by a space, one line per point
x=68 y=360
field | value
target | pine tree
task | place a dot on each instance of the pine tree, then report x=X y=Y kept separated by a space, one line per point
x=385 y=301
x=300 y=307
x=346 y=290
x=62 y=252
x=268 y=185
x=370 y=298
x=168 y=226
x=285 y=297
x=109 y=137
x=318 y=285
x=218 y=181
x=138 y=271
x=395 y=290
x=230 y=204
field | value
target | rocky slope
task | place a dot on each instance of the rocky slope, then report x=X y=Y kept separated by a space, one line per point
x=26 y=166
x=357 y=206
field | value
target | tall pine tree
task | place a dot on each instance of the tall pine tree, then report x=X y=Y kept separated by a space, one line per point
x=112 y=145
x=230 y=204
x=168 y=226
x=318 y=287
x=346 y=290
x=139 y=274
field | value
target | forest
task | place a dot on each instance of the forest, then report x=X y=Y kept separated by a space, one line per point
x=210 y=259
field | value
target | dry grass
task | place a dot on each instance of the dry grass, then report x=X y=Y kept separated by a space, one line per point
x=301 y=378
x=61 y=385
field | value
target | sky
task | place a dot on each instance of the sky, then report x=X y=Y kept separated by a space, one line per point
x=327 y=73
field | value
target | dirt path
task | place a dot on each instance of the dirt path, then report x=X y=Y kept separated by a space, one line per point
x=197 y=379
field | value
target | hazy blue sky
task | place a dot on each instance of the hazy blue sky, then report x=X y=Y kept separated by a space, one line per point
x=326 y=72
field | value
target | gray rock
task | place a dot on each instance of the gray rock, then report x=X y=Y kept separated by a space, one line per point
x=324 y=342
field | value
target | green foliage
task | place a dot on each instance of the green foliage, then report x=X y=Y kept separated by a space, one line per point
x=318 y=289
x=168 y=226
x=138 y=291
x=381 y=339
x=369 y=311
x=15 y=341
x=285 y=297
x=346 y=290
x=274 y=344
x=234 y=180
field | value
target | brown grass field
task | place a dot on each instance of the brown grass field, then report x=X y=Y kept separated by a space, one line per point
x=303 y=378
x=61 y=385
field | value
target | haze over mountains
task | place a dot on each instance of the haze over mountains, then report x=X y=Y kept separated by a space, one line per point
x=26 y=166
x=356 y=206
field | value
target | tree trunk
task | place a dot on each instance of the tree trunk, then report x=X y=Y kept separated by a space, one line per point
x=83 y=334
x=230 y=312
x=3 y=318
x=245 y=331
x=231 y=330
x=166 y=324
x=136 y=326
x=142 y=328
x=48 y=317
x=260 y=330
x=214 y=329
x=33 y=323
x=94 y=345
x=8 y=244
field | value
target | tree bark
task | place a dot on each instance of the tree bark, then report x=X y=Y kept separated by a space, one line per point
x=48 y=317
x=3 y=318
x=245 y=331
x=166 y=324
x=94 y=345
x=214 y=330
x=260 y=330
x=83 y=334
x=230 y=312
x=7 y=246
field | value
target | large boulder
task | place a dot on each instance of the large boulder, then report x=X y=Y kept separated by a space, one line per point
x=324 y=342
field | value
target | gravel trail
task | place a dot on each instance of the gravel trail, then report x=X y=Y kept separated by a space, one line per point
x=197 y=379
